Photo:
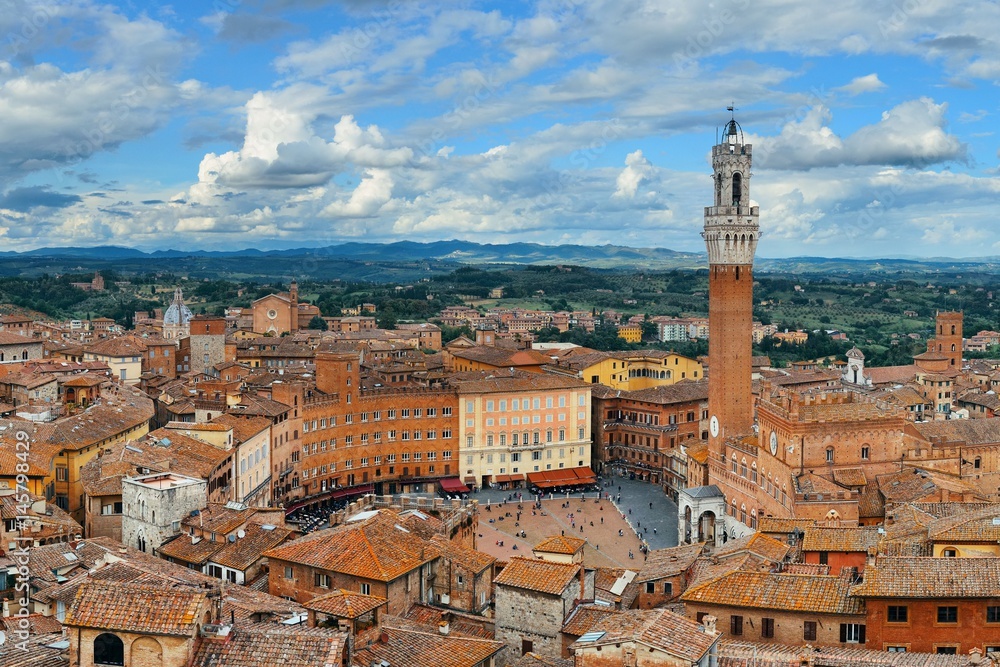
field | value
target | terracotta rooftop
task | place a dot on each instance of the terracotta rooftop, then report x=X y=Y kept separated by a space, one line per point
x=742 y=654
x=679 y=392
x=965 y=431
x=537 y=575
x=657 y=628
x=136 y=608
x=663 y=563
x=345 y=604
x=584 y=616
x=770 y=524
x=825 y=538
x=928 y=577
x=189 y=549
x=244 y=428
x=41 y=650
x=466 y=557
x=536 y=660
x=119 y=346
x=770 y=590
x=560 y=544
x=476 y=382
x=375 y=548
x=850 y=477
x=248 y=550
x=409 y=648
x=758 y=544
x=255 y=645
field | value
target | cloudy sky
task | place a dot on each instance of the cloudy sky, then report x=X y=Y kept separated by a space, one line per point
x=290 y=123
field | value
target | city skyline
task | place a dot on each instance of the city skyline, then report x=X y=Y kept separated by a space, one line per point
x=300 y=123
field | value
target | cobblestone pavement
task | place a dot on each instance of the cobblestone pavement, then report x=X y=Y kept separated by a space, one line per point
x=650 y=509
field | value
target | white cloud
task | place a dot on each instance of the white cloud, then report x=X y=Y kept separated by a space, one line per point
x=912 y=133
x=637 y=169
x=863 y=84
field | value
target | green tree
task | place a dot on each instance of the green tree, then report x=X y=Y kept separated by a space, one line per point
x=317 y=323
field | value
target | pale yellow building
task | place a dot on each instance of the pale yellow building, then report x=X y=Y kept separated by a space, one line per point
x=629 y=371
x=517 y=422
x=122 y=354
x=630 y=333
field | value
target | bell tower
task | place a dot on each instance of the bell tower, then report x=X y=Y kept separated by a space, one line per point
x=731 y=234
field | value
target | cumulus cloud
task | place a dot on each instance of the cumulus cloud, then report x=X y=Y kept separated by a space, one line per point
x=637 y=169
x=282 y=150
x=863 y=84
x=911 y=134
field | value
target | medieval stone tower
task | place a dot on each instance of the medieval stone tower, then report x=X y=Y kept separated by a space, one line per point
x=731 y=233
x=948 y=338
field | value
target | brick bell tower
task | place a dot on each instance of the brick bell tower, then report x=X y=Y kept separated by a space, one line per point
x=731 y=234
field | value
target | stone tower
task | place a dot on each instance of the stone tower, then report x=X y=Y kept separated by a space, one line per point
x=948 y=338
x=731 y=233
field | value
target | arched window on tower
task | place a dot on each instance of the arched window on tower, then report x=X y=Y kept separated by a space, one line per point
x=952 y=329
x=718 y=190
x=737 y=189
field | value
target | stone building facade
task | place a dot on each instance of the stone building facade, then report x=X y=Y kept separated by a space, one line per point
x=153 y=507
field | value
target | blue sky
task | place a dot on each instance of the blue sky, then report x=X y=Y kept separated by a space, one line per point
x=289 y=123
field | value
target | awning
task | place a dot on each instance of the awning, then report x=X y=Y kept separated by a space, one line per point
x=506 y=479
x=453 y=485
x=548 y=479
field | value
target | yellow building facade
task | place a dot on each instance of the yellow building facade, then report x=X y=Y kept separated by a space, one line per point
x=642 y=370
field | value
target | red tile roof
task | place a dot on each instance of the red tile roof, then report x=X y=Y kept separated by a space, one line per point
x=537 y=575
x=137 y=608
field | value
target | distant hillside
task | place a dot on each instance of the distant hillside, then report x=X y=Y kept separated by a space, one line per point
x=408 y=260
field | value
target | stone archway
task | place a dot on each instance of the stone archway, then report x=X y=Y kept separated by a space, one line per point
x=146 y=651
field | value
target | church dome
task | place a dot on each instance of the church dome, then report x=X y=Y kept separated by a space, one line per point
x=177 y=314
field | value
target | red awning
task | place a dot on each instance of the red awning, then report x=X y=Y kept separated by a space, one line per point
x=504 y=479
x=453 y=485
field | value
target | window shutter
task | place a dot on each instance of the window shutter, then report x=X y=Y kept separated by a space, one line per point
x=843 y=633
x=861 y=634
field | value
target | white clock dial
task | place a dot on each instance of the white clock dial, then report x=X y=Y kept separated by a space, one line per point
x=774 y=443
x=713 y=426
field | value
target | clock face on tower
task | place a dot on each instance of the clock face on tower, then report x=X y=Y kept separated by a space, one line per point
x=774 y=443
x=713 y=426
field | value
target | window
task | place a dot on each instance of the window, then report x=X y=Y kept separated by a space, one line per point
x=852 y=633
x=993 y=614
x=809 y=630
x=62 y=475
x=949 y=553
x=650 y=587
x=736 y=625
x=109 y=649
x=446 y=411
x=366 y=589
x=829 y=454
x=896 y=614
x=946 y=650
x=668 y=588
x=322 y=580
x=824 y=558
x=864 y=453
x=896 y=649
x=947 y=614
x=767 y=628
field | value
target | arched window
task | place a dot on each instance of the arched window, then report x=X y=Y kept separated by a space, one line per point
x=829 y=454
x=952 y=329
x=108 y=649
x=743 y=468
x=952 y=348
x=24 y=353
x=737 y=189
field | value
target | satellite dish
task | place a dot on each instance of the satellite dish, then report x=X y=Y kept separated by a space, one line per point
x=232 y=538
x=241 y=533
x=3 y=638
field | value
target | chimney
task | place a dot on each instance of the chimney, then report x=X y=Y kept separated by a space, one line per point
x=444 y=627
x=383 y=638
x=975 y=655
x=709 y=622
